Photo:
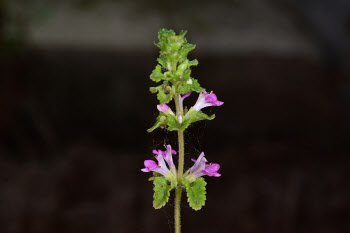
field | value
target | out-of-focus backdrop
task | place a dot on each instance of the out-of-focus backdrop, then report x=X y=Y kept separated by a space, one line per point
x=75 y=106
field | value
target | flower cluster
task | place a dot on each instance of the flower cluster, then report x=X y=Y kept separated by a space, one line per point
x=200 y=167
x=205 y=99
x=161 y=167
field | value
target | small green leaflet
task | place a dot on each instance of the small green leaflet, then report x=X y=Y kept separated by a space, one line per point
x=161 y=121
x=157 y=74
x=196 y=192
x=165 y=92
x=184 y=87
x=170 y=121
x=173 y=124
x=194 y=116
x=161 y=192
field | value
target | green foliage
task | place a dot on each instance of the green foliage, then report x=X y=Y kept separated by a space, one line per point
x=174 y=69
x=194 y=116
x=194 y=86
x=165 y=92
x=157 y=74
x=161 y=122
x=185 y=66
x=173 y=124
x=196 y=192
x=161 y=192
x=169 y=120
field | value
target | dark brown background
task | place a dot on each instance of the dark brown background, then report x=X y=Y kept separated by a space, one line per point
x=73 y=134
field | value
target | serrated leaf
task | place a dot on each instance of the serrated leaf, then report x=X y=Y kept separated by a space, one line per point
x=196 y=192
x=163 y=97
x=165 y=92
x=194 y=116
x=161 y=192
x=157 y=74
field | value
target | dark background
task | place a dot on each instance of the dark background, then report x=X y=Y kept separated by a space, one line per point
x=75 y=107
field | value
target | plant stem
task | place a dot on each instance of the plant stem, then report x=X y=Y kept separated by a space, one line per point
x=177 y=209
x=180 y=170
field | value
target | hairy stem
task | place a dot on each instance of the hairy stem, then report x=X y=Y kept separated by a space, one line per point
x=180 y=170
x=177 y=209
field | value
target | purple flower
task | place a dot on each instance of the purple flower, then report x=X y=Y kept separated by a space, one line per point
x=181 y=98
x=165 y=109
x=161 y=168
x=151 y=166
x=207 y=99
x=201 y=168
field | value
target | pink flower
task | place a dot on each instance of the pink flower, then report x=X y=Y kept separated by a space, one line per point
x=165 y=109
x=207 y=99
x=151 y=166
x=161 y=168
x=201 y=168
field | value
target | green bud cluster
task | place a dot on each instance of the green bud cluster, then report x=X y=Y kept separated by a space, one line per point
x=174 y=67
x=173 y=72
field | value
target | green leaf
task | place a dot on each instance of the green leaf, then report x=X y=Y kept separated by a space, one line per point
x=157 y=74
x=176 y=42
x=186 y=87
x=161 y=121
x=173 y=50
x=163 y=97
x=194 y=116
x=184 y=66
x=155 y=175
x=163 y=35
x=185 y=49
x=165 y=92
x=161 y=192
x=173 y=124
x=162 y=61
x=196 y=192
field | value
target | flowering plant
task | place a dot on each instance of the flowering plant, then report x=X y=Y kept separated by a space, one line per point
x=174 y=75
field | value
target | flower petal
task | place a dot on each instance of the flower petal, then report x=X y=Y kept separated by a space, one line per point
x=162 y=107
x=207 y=99
x=150 y=165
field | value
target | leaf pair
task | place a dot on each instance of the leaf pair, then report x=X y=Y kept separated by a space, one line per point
x=196 y=192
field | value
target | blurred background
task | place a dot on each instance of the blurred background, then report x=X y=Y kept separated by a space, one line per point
x=75 y=106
